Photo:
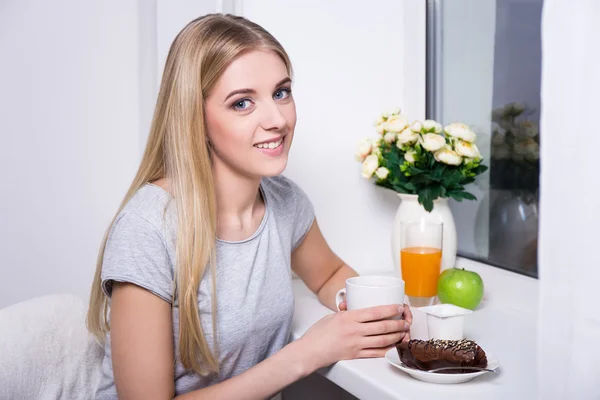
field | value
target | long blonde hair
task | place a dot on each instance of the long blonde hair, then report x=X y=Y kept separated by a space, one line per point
x=177 y=149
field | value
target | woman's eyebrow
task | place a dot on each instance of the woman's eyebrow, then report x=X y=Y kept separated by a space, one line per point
x=252 y=91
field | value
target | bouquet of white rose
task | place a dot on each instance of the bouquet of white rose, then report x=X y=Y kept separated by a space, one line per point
x=421 y=158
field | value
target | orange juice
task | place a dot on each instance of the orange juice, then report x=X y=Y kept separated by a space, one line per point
x=421 y=270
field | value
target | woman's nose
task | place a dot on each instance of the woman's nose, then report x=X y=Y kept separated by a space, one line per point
x=273 y=118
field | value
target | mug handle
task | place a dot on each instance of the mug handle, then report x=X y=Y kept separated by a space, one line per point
x=339 y=298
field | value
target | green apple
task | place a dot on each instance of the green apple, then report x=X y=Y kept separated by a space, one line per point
x=460 y=287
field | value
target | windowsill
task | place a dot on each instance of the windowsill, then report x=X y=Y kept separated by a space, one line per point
x=505 y=325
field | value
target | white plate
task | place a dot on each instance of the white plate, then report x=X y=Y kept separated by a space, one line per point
x=394 y=359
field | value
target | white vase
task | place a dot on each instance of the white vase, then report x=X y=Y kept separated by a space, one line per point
x=411 y=211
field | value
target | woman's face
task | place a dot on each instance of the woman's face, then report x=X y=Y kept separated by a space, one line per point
x=251 y=115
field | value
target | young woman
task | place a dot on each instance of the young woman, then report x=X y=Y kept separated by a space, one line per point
x=196 y=266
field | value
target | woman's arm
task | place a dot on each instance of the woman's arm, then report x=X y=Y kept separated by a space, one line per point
x=142 y=354
x=323 y=271
x=319 y=267
x=142 y=349
x=141 y=339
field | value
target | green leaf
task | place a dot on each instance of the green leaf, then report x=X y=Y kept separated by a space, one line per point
x=438 y=170
x=410 y=186
x=436 y=190
x=414 y=171
x=480 y=169
x=460 y=195
x=456 y=196
x=426 y=199
x=400 y=189
x=432 y=161
x=442 y=191
x=468 y=196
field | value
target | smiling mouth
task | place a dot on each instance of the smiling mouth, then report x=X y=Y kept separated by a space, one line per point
x=270 y=145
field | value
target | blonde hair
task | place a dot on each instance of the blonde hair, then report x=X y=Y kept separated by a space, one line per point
x=177 y=150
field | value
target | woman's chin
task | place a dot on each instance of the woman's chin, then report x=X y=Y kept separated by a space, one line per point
x=274 y=168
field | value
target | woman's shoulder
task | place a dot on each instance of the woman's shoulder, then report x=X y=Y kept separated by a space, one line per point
x=291 y=206
x=285 y=194
x=151 y=204
x=282 y=187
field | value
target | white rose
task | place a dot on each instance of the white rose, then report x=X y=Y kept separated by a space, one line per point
x=501 y=152
x=429 y=125
x=460 y=131
x=416 y=126
x=532 y=146
x=432 y=142
x=514 y=108
x=376 y=142
x=520 y=147
x=531 y=150
x=466 y=149
x=396 y=111
x=447 y=156
x=498 y=138
x=378 y=121
x=438 y=128
x=389 y=137
x=364 y=148
x=410 y=156
x=385 y=115
x=380 y=128
x=375 y=146
x=529 y=129
x=533 y=153
x=395 y=123
x=369 y=166
x=406 y=137
x=382 y=172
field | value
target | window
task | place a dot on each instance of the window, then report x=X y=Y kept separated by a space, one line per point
x=484 y=69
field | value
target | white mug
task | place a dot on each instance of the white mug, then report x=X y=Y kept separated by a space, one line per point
x=371 y=291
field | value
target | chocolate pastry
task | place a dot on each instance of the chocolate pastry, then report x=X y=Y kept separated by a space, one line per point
x=436 y=353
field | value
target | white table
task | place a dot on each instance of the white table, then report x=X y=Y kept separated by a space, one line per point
x=505 y=325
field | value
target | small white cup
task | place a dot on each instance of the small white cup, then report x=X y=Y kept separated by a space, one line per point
x=445 y=321
x=371 y=291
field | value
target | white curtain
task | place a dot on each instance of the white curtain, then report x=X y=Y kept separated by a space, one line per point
x=569 y=248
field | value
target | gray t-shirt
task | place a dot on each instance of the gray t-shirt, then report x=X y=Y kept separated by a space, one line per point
x=255 y=301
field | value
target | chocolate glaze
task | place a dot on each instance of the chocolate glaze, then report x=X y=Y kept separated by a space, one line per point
x=436 y=353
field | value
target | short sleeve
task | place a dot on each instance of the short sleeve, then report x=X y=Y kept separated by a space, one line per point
x=135 y=252
x=304 y=214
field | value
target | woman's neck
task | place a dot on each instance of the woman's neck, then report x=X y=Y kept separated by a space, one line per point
x=240 y=206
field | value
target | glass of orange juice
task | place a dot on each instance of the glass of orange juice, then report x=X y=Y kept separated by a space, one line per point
x=421 y=260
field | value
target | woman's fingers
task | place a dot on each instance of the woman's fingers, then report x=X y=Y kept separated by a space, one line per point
x=374 y=353
x=407 y=314
x=383 y=327
x=377 y=313
x=382 y=341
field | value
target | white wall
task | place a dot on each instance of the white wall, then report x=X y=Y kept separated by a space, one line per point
x=70 y=131
x=79 y=86
x=349 y=61
x=79 y=81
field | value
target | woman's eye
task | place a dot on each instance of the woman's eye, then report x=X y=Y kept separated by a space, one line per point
x=241 y=105
x=281 y=94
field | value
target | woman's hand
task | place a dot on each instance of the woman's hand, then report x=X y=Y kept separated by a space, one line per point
x=407 y=315
x=364 y=333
